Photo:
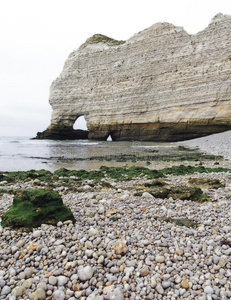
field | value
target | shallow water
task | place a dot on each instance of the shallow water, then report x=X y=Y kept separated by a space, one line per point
x=21 y=153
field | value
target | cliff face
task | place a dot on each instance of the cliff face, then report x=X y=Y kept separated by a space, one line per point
x=162 y=84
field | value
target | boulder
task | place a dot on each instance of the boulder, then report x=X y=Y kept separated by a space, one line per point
x=31 y=208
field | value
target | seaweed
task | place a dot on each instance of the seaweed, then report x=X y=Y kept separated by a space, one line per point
x=181 y=192
x=180 y=222
x=186 y=170
x=23 y=175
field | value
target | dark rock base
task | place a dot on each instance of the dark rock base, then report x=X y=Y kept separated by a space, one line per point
x=159 y=132
x=60 y=132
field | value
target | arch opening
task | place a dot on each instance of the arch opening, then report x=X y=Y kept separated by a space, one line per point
x=80 y=123
x=109 y=138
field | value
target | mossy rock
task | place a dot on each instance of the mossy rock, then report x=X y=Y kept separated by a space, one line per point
x=180 y=222
x=31 y=208
x=155 y=183
x=206 y=183
x=180 y=192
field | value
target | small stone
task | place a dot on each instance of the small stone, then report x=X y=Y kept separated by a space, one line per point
x=223 y=261
x=5 y=291
x=208 y=290
x=108 y=289
x=89 y=253
x=3 y=182
x=42 y=285
x=185 y=284
x=38 y=294
x=27 y=283
x=14 y=249
x=21 y=243
x=2 y=283
x=62 y=280
x=179 y=252
x=160 y=259
x=120 y=247
x=159 y=289
x=110 y=212
x=144 y=271
x=18 y=291
x=12 y=272
x=37 y=233
x=85 y=273
x=153 y=282
x=166 y=284
x=58 y=295
x=28 y=273
x=53 y=280
x=31 y=246
x=145 y=242
x=100 y=259
x=93 y=231
x=116 y=294
x=147 y=195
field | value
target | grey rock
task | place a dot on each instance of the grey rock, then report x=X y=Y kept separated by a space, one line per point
x=62 y=280
x=58 y=295
x=5 y=291
x=208 y=290
x=53 y=280
x=85 y=273
x=37 y=233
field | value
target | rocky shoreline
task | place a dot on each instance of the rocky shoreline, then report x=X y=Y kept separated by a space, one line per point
x=123 y=244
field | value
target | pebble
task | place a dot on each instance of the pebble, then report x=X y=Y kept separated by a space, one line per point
x=28 y=273
x=166 y=284
x=208 y=290
x=53 y=280
x=159 y=289
x=37 y=233
x=62 y=280
x=160 y=259
x=120 y=247
x=125 y=253
x=18 y=291
x=5 y=291
x=85 y=273
x=58 y=295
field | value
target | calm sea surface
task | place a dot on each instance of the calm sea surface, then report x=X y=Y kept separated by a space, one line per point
x=21 y=153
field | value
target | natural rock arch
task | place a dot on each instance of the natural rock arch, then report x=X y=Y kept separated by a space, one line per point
x=162 y=84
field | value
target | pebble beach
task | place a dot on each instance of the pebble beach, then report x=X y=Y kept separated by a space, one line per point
x=119 y=247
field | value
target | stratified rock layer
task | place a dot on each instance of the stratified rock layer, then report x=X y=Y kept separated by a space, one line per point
x=162 y=84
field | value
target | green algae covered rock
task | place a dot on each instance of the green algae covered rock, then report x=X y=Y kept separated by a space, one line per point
x=31 y=208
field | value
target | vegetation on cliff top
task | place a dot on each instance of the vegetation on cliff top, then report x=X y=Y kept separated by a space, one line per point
x=100 y=38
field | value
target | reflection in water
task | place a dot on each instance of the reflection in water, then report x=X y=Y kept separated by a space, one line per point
x=25 y=154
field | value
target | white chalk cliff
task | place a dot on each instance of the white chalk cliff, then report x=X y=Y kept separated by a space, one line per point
x=162 y=84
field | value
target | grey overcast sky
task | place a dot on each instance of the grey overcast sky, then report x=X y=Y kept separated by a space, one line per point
x=38 y=35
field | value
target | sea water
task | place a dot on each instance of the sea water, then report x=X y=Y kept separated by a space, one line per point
x=22 y=153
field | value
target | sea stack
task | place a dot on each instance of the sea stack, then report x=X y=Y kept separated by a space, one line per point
x=162 y=84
